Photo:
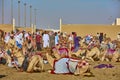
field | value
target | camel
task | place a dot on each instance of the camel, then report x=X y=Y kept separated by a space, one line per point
x=116 y=56
x=93 y=53
x=35 y=64
x=68 y=65
x=3 y=54
x=19 y=55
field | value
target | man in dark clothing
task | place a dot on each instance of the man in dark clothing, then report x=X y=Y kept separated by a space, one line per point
x=101 y=37
x=39 y=42
x=52 y=39
x=76 y=42
x=25 y=63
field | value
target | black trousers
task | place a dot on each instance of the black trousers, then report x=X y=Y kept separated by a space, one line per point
x=39 y=46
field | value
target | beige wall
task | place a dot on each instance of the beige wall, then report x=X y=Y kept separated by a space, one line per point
x=25 y=28
x=83 y=30
x=6 y=27
x=9 y=28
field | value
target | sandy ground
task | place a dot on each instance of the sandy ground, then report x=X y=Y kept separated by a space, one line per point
x=99 y=74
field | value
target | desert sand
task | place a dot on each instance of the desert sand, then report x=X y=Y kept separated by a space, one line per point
x=98 y=74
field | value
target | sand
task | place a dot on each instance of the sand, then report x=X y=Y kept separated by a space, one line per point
x=99 y=74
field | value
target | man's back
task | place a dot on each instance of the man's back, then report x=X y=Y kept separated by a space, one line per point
x=38 y=38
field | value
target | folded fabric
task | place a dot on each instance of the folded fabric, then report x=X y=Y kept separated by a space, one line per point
x=104 y=66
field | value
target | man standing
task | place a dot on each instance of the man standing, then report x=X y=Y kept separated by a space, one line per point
x=45 y=40
x=56 y=38
x=52 y=39
x=38 y=41
x=101 y=37
x=19 y=39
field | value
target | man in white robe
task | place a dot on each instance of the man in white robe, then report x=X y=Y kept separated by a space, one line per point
x=19 y=40
x=7 y=38
x=45 y=40
x=26 y=35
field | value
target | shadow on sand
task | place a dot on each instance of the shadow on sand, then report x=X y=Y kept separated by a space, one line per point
x=1 y=76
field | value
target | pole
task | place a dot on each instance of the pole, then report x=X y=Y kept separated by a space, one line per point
x=30 y=15
x=32 y=28
x=35 y=16
x=11 y=11
x=25 y=15
x=19 y=13
x=2 y=11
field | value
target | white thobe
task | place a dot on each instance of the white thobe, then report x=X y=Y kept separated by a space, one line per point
x=7 y=38
x=45 y=40
x=19 y=38
x=56 y=39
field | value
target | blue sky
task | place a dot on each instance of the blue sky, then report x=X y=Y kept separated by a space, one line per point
x=71 y=11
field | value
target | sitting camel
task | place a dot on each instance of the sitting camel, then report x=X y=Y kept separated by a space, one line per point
x=116 y=56
x=35 y=63
x=93 y=54
x=69 y=65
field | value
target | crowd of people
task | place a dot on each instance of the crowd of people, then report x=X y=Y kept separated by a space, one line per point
x=68 y=53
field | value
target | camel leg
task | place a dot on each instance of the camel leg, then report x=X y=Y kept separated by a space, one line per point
x=103 y=58
x=77 y=72
x=41 y=63
x=84 y=69
x=50 y=59
x=107 y=59
x=57 y=56
x=90 y=58
x=31 y=64
x=81 y=71
x=115 y=57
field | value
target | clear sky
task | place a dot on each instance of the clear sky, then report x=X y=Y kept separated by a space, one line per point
x=71 y=11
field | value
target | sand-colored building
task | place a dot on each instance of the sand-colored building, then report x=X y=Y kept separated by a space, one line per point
x=118 y=21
